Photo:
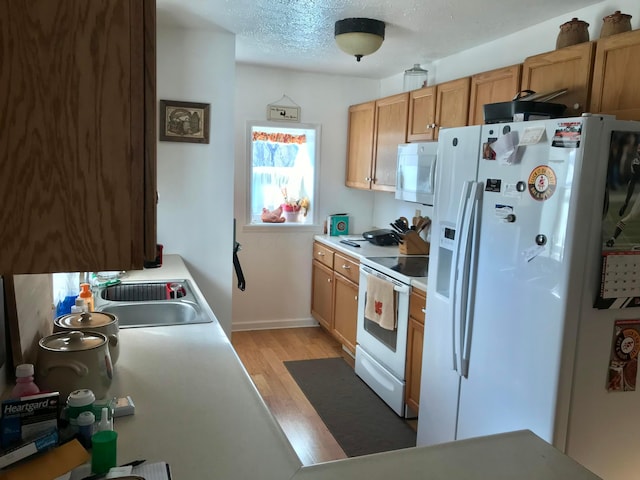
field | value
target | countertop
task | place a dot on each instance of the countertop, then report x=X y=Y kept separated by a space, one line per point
x=367 y=250
x=196 y=406
x=198 y=410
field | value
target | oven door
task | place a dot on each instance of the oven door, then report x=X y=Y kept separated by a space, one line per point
x=387 y=347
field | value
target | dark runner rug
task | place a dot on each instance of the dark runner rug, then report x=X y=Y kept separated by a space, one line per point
x=356 y=417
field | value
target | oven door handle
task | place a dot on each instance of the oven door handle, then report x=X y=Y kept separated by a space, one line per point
x=397 y=287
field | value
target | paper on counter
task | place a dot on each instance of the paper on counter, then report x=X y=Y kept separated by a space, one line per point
x=506 y=148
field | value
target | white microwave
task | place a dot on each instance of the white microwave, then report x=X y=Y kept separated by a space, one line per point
x=416 y=172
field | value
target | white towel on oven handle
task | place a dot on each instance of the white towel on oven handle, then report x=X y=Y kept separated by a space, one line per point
x=380 y=305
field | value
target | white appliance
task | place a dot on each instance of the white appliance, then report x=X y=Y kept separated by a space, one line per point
x=415 y=174
x=381 y=353
x=511 y=339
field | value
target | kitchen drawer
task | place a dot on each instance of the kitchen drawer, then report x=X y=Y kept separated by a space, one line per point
x=417 y=304
x=323 y=254
x=347 y=267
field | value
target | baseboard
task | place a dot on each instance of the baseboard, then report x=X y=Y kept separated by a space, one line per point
x=274 y=324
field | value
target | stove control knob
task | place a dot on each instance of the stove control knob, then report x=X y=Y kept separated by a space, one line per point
x=541 y=240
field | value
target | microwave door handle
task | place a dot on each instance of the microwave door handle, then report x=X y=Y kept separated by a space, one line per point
x=432 y=174
x=453 y=280
x=470 y=239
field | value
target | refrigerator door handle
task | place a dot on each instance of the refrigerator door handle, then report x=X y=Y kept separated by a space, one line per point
x=462 y=268
x=471 y=275
x=455 y=303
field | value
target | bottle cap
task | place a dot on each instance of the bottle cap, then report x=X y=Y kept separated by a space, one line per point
x=105 y=423
x=24 y=370
x=81 y=398
x=86 y=418
x=85 y=291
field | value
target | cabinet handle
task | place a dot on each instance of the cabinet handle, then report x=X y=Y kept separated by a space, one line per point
x=321 y=254
x=431 y=125
x=328 y=280
x=356 y=297
x=424 y=310
x=367 y=179
x=346 y=267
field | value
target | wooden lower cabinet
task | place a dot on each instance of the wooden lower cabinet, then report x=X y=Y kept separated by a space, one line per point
x=345 y=311
x=334 y=293
x=415 y=338
x=322 y=295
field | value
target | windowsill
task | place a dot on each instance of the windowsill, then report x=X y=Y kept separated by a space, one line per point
x=282 y=227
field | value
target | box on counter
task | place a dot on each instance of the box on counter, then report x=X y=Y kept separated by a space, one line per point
x=338 y=224
x=26 y=418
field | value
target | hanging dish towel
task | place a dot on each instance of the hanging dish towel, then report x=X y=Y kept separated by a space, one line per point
x=381 y=303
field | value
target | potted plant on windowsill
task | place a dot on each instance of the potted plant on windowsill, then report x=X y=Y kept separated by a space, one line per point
x=294 y=210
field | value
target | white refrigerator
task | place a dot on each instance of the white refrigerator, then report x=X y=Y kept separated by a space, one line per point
x=512 y=338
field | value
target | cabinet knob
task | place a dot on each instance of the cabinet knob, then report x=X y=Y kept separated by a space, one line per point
x=356 y=297
x=321 y=254
x=346 y=267
x=424 y=310
x=576 y=106
x=367 y=179
x=431 y=126
x=328 y=280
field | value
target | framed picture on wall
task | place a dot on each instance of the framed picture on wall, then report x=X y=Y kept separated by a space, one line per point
x=184 y=121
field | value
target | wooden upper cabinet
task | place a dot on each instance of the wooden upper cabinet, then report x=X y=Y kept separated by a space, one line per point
x=360 y=145
x=77 y=154
x=452 y=105
x=570 y=67
x=499 y=85
x=422 y=115
x=390 y=131
x=616 y=75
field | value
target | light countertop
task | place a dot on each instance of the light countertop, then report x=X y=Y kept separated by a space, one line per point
x=196 y=406
x=367 y=250
x=198 y=410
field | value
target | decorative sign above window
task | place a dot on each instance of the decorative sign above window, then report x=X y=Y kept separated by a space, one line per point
x=279 y=111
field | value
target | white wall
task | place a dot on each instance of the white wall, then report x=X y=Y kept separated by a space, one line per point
x=508 y=50
x=277 y=265
x=195 y=181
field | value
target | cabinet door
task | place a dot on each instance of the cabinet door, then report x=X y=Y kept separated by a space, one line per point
x=415 y=340
x=422 y=114
x=615 y=76
x=390 y=131
x=452 y=105
x=569 y=67
x=322 y=295
x=360 y=145
x=499 y=85
x=345 y=311
x=72 y=189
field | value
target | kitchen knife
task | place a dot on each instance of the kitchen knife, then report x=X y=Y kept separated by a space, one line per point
x=396 y=228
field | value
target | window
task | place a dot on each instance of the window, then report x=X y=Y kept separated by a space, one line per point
x=282 y=176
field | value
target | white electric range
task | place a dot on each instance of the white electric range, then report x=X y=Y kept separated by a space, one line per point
x=381 y=353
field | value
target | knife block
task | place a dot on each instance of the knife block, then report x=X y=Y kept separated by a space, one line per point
x=412 y=244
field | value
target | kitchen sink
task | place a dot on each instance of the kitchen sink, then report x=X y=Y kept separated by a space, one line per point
x=149 y=304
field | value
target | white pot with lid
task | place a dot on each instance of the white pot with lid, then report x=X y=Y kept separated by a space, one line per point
x=103 y=322
x=69 y=361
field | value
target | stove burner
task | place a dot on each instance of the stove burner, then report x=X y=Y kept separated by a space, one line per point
x=412 y=266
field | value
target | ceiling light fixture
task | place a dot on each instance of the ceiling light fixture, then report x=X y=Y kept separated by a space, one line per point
x=359 y=36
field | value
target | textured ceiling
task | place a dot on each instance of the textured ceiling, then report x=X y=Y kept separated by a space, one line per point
x=298 y=34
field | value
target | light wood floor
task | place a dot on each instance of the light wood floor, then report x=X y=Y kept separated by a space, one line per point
x=263 y=353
